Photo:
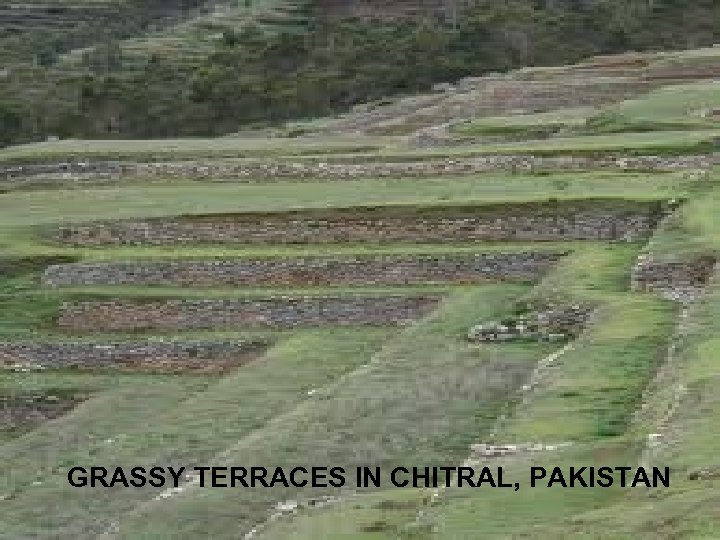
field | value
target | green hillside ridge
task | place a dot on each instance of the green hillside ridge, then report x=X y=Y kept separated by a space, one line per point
x=134 y=80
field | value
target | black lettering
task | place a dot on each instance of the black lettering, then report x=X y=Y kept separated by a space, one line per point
x=202 y=471
x=138 y=477
x=176 y=475
x=664 y=479
x=237 y=475
x=257 y=476
x=606 y=474
x=118 y=477
x=623 y=478
x=97 y=476
x=576 y=476
x=448 y=472
x=294 y=481
x=394 y=480
x=425 y=477
x=557 y=476
x=219 y=474
x=465 y=474
x=640 y=477
x=318 y=474
x=158 y=478
x=537 y=473
x=486 y=476
x=279 y=478
x=367 y=475
x=500 y=479
x=338 y=477
x=77 y=477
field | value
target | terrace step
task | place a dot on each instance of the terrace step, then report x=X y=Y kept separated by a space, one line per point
x=584 y=219
x=354 y=270
x=144 y=355
x=273 y=312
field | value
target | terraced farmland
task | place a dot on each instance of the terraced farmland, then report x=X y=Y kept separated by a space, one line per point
x=354 y=300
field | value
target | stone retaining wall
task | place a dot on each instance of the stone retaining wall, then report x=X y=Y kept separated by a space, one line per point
x=21 y=412
x=679 y=280
x=358 y=270
x=280 y=312
x=607 y=219
x=243 y=171
x=161 y=355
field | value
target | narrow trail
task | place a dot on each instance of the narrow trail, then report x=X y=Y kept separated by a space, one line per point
x=668 y=378
x=526 y=392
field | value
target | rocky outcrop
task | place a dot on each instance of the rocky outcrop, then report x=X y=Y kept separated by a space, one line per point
x=587 y=219
x=148 y=355
x=274 y=312
x=555 y=324
x=353 y=270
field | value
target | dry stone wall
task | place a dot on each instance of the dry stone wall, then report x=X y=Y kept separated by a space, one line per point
x=161 y=355
x=280 y=312
x=358 y=270
x=244 y=171
x=605 y=219
x=679 y=280
x=23 y=412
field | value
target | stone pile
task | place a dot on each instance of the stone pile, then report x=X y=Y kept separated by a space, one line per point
x=273 y=312
x=602 y=219
x=245 y=171
x=163 y=355
x=555 y=324
x=352 y=270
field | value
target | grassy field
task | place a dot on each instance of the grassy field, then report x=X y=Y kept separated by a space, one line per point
x=686 y=106
x=526 y=125
x=672 y=108
x=184 y=149
x=21 y=209
x=661 y=142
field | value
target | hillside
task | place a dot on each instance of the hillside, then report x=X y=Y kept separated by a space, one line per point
x=159 y=69
x=510 y=270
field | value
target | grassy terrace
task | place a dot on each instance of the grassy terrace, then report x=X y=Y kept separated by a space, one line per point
x=600 y=379
x=674 y=108
x=22 y=209
x=416 y=395
x=664 y=142
x=525 y=124
x=426 y=377
x=685 y=106
x=193 y=148
x=626 y=343
x=694 y=230
x=183 y=419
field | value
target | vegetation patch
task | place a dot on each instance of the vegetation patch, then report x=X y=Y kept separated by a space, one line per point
x=23 y=412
